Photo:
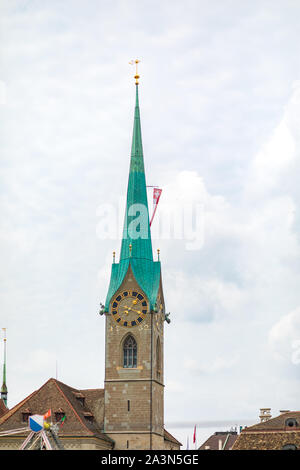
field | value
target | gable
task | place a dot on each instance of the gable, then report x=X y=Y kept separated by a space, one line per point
x=81 y=420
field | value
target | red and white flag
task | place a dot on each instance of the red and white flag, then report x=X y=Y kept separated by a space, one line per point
x=156 y=196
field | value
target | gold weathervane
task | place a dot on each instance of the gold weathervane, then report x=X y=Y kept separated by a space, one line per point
x=136 y=61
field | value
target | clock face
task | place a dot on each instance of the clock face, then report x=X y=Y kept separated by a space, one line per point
x=129 y=308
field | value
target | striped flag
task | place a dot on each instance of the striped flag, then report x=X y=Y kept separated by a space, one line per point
x=156 y=195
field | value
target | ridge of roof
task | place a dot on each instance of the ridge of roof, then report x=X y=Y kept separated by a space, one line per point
x=278 y=421
x=93 y=428
x=213 y=440
x=90 y=428
x=168 y=437
x=91 y=390
x=70 y=404
x=15 y=408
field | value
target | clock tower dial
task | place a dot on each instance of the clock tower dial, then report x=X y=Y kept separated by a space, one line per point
x=129 y=308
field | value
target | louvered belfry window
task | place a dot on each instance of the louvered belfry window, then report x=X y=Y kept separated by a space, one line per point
x=130 y=352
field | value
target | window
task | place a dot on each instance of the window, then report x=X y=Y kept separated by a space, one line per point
x=59 y=415
x=289 y=447
x=25 y=415
x=158 y=359
x=291 y=422
x=80 y=397
x=128 y=405
x=130 y=352
x=88 y=416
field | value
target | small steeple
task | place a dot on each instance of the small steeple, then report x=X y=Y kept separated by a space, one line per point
x=4 y=387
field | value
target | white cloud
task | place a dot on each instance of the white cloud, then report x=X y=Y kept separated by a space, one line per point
x=284 y=338
x=220 y=129
x=215 y=365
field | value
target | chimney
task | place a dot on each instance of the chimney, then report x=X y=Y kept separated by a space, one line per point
x=220 y=444
x=265 y=414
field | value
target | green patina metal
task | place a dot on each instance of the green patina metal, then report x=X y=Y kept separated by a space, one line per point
x=136 y=247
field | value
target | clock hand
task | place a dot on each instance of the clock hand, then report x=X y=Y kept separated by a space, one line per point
x=126 y=309
x=138 y=311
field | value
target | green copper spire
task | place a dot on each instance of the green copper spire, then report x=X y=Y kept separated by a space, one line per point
x=136 y=246
x=4 y=387
x=136 y=230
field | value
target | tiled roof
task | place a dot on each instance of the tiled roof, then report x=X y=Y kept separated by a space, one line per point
x=277 y=423
x=57 y=396
x=270 y=435
x=266 y=440
x=218 y=439
x=3 y=408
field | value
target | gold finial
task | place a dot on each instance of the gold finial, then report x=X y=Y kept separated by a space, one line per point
x=4 y=329
x=158 y=251
x=114 y=256
x=130 y=248
x=136 y=61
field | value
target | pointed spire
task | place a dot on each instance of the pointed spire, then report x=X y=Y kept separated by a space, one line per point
x=4 y=387
x=136 y=248
x=136 y=230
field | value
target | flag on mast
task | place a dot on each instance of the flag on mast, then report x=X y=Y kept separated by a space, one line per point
x=156 y=195
x=48 y=414
x=194 y=436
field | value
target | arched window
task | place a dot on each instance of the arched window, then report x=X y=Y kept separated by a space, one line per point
x=158 y=359
x=129 y=352
x=289 y=447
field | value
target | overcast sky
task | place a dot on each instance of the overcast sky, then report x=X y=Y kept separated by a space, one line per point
x=220 y=111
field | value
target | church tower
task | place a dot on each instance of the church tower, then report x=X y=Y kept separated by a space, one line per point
x=135 y=314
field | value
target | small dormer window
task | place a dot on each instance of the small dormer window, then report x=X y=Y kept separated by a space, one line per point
x=80 y=397
x=59 y=414
x=291 y=423
x=25 y=415
x=88 y=416
x=289 y=447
